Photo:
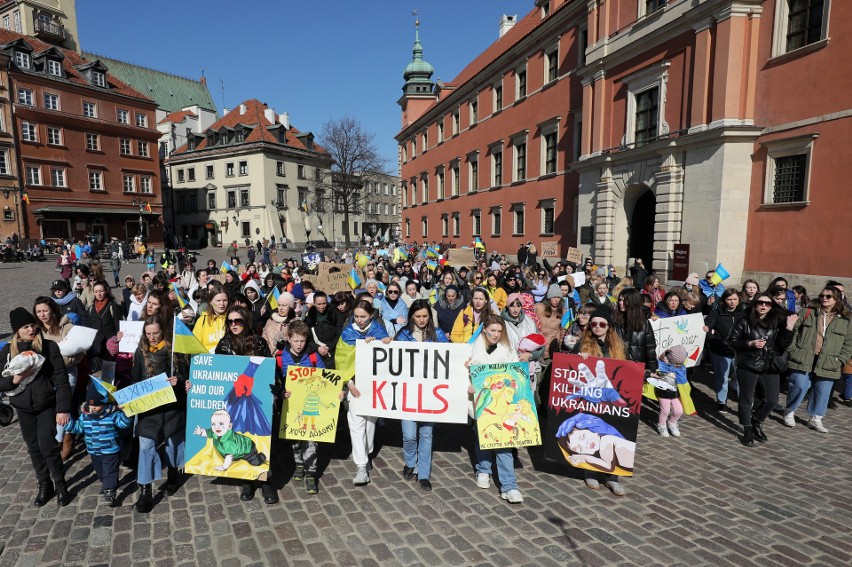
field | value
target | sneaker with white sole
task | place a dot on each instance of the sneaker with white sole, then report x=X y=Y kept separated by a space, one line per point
x=615 y=487
x=815 y=423
x=662 y=430
x=790 y=419
x=674 y=430
x=483 y=480
x=362 y=477
x=513 y=496
x=593 y=483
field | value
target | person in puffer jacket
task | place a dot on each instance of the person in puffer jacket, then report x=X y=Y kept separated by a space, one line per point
x=99 y=423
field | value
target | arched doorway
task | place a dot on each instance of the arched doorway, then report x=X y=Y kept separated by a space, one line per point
x=641 y=229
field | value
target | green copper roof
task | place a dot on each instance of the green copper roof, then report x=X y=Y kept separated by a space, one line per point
x=170 y=92
x=418 y=68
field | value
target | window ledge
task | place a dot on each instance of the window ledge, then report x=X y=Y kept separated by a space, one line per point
x=517 y=234
x=791 y=205
x=547 y=176
x=546 y=233
x=496 y=112
x=519 y=182
x=548 y=84
x=455 y=196
x=800 y=52
x=101 y=152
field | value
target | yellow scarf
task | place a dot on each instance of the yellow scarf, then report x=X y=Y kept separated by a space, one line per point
x=158 y=346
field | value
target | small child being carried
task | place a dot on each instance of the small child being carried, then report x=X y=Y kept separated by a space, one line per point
x=671 y=389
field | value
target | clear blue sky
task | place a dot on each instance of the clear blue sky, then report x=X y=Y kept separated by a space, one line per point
x=314 y=60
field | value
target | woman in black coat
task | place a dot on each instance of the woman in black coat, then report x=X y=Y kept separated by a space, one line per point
x=634 y=328
x=763 y=333
x=104 y=315
x=43 y=401
x=718 y=326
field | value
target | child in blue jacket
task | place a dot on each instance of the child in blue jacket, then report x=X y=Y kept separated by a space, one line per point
x=100 y=422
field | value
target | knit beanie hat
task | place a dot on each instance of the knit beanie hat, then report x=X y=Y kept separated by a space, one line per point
x=676 y=355
x=691 y=279
x=94 y=396
x=553 y=291
x=286 y=298
x=513 y=297
x=602 y=314
x=20 y=317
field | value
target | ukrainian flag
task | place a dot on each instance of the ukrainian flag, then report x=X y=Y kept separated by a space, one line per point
x=103 y=388
x=353 y=279
x=273 y=297
x=478 y=244
x=182 y=301
x=184 y=341
x=225 y=267
x=432 y=253
x=431 y=264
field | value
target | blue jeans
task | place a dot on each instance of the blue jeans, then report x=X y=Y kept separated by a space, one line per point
x=798 y=385
x=150 y=464
x=845 y=386
x=505 y=466
x=721 y=372
x=417 y=455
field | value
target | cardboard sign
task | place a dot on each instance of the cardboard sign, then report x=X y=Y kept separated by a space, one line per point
x=229 y=416
x=416 y=381
x=686 y=330
x=132 y=335
x=550 y=248
x=311 y=411
x=330 y=282
x=146 y=395
x=574 y=255
x=504 y=405
x=593 y=413
x=327 y=267
x=460 y=256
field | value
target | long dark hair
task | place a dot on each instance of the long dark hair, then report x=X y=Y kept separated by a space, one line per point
x=728 y=293
x=633 y=318
x=429 y=333
x=246 y=343
x=773 y=318
x=145 y=344
x=55 y=314
x=343 y=298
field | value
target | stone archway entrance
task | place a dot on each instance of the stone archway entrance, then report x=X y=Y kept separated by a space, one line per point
x=640 y=243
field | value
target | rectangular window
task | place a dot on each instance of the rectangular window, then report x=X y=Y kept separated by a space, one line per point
x=456 y=184
x=92 y=142
x=54 y=68
x=141 y=119
x=440 y=129
x=440 y=185
x=456 y=125
x=25 y=97
x=521 y=83
x=246 y=229
x=51 y=101
x=300 y=172
x=96 y=181
x=496 y=221
x=551 y=59
x=124 y=146
x=804 y=22
x=29 y=132
x=142 y=148
x=445 y=225
x=407 y=228
x=424 y=189
x=474 y=111
x=6 y=25
x=211 y=201
x=582 y=46
x=497 y=168
x=498 y=98
x=473 y=185
x=425 y=141
x=22 y=60
x=232 y=199
x=654 y=5
x=57 y=176
x=456 y=225
x=123 y=116
x=190 y=174
x=243 y=168
x=244 y=197
x=550 y=153
x=208 y=172
x=547 y=217
x=193 y=203
x=98 y=79
x=647 y=111
x=519 y=221
x=181 y=176
x=90 y=110
x=520 y=161
x=4 y=162
x=578 y=135
x=790 y=176
x=129 y=184
x=146 y=185
x=476 y=217
x=425 y=224
x=33 y=175
x=279 y=168
x=229 y=169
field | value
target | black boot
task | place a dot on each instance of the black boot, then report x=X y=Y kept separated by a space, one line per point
x=270 y=495
x=172 y=482
x=758 y=431
x=145 y=503
x=247 y=491
x=110 y=496
x=748 y=436
x=62 y=494
x=45 y=493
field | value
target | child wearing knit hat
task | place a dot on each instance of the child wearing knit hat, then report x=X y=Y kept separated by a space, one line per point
x=664 y=386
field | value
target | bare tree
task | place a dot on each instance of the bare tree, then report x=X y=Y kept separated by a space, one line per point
x=355 y=163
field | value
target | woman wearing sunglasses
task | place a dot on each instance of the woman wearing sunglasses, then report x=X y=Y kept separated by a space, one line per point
x=758 y=338
x=393 y=309
x=822 y=344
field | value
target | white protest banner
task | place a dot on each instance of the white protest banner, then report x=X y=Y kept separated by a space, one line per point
x=408 y=380
x=146 y=395
x=132 y=334
x=686 y=330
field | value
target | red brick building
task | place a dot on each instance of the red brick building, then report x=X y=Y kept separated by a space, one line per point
x=87 y=145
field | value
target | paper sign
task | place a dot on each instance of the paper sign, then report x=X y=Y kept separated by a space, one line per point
x=311 y=411
x=460 y=256
x=326 y=267
x=574 y=255
x=504 y=406
x=146 y=395
x=550 y=248
x=686 y=330
x=416 y=381
x=132 y=335
x=330 y=282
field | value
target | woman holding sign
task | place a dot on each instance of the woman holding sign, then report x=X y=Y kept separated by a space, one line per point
x=152 y=358
x=492 y=347
x=418 y=456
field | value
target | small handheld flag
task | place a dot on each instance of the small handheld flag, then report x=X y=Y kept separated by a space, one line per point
x=273 y=297
x=25 y=198
x=353 y=280
x=476 y=333
x=720 y=274
x=432 y=253
x=184 y=341
x=478 y=244
x=225 y=267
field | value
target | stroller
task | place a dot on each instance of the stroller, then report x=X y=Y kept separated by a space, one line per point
x=7 y=414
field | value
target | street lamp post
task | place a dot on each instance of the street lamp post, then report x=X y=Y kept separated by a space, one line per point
x=143 y=206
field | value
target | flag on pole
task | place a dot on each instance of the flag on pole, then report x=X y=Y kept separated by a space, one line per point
x=182 y=301
x=183 y=341
x=147 y=207
x=225 y=267
x=25 y=198
x=273 y=297
x=354 y=280
x=432 y=253
x=476 y=333
x=431 y=264
x=478 y=244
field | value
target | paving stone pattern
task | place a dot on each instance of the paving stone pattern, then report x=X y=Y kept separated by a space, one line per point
x=702 y=499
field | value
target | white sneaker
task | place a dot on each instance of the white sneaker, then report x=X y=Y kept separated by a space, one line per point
x=483 y=480
x=362 y=477
x=815 y=423
x=674 y=430
x=790 y=419
x=513 y=496
x=661 y=429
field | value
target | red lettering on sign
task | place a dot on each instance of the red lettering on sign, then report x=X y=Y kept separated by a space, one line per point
x=437 y=396
x=405 y=408
x=378 y=397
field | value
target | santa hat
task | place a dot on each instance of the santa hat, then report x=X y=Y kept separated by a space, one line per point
x=532 y=342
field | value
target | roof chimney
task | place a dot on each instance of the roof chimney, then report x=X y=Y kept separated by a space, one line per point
x=243 y=109
x=285 y=120
x=507 y=22
x=225 y=111
x=269 y=114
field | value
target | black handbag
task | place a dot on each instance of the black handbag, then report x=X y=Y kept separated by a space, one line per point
x=779 y=362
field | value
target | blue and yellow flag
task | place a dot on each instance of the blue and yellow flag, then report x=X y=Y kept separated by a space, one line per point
x=225 y=267
x=354 y=280
x=478 y=244
x=273 y=297
x=184 y=341
x=432 y=253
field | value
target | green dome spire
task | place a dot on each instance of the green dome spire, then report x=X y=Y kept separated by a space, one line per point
x=418 y=73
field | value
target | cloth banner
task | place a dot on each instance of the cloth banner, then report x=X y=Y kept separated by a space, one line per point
x=686 y=330
x=145 y=395
x=311 y=411
x=504 y=405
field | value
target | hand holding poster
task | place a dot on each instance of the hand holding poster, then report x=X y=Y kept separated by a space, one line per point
x=416 y=381
x=504 y=406
x=131 y=334
x=311 y=411
x=593 y=416
x=229 y=416
x=146 y=395
x=686 y=330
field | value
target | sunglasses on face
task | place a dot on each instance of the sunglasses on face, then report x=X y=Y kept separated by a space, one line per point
x=826 y=296
x=599 y=324
x=763 y=302
x=237 y=322
x=392 y=292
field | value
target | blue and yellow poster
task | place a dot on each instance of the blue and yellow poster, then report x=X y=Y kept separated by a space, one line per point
x=229 y=416
x=504 y=406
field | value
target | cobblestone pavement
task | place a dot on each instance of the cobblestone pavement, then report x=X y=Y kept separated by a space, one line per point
x=702 y=499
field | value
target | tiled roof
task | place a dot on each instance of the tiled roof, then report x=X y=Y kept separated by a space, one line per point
x=253 y=116
x=170 y=92
x=177 y=117
x=72 y=58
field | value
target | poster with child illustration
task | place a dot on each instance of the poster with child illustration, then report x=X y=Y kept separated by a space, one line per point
x=504 y=406
x=229 y=416
x=593 y=413
x=311 y=411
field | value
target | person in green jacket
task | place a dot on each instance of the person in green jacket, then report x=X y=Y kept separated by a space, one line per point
x=822 y=344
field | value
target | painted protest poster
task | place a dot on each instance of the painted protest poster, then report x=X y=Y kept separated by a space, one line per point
x=131 y=334
x=504 y=406
x=330 y=282
x=229 y=416
x=686 y=330
x=574 y=255
x=311 y=411
x=145 y=395
x=407 y=380
x=311 y=260
x=593 y=413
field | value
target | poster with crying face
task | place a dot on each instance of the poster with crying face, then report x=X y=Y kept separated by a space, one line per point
x=593 y=413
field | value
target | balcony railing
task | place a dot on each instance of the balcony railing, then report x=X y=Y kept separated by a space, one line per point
x=49 y=29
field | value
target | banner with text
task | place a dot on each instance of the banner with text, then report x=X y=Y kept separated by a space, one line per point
x=311 y=411
x=686 y=330
x=416 y=381
x=504 y=406
x=593 y=413
x=229 y=416
x=145 y=395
